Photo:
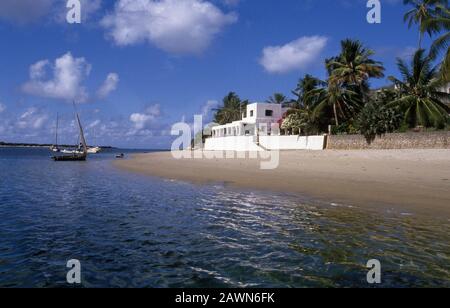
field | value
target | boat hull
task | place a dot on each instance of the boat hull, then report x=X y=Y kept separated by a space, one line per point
x=69 y=158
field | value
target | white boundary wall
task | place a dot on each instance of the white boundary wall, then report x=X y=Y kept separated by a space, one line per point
x=247 y=143
x=292 y=142
x=236 y=143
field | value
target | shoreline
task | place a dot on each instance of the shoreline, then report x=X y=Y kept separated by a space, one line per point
x=416 y=180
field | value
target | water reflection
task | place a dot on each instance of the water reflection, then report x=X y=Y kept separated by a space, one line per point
x=129 y=230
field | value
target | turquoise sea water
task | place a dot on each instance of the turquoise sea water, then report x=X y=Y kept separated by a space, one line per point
x=134 y=231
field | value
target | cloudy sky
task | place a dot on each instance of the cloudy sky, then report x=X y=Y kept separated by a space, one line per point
x=138 y=66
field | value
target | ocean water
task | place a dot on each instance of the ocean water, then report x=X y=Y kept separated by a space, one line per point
x=129 y=230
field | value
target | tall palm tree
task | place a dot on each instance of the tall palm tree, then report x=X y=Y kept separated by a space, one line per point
x=422 y=10
x=232 y=109
x=277 y=98
x=343 y=100
x=354 y=66
x=304 y=86
x=419 y=96
x=439 y=24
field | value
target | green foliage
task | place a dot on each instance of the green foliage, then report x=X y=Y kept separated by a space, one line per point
x=376 y=119
x=305 y=85
x=345 y=100
x=277 y=98
x=346 y=128
x=420 y=13
x=354 y=66
x=419 y=95
x=345 y=90
x=231 y=110
x=294 y=122
x=439 y=24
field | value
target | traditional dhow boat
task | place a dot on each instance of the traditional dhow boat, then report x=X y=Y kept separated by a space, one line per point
x=81 y=153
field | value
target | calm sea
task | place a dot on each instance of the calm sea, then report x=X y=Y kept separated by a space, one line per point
x=134 y=231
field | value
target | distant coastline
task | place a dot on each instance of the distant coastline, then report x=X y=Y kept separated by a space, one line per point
x=40 y=145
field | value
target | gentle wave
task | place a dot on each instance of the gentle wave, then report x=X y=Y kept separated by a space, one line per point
x=133 y=231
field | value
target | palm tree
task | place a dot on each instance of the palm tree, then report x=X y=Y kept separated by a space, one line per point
x=343 y=100
x=354 y=66
x=304 y=86
x=422 y=10
x=440 y=22
x=232 y=109
x=277 y=98
x=419 y=96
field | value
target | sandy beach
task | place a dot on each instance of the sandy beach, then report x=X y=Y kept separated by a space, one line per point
x=413 y=179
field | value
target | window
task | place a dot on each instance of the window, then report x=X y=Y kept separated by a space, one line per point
x=251 y=113
x=269 y=113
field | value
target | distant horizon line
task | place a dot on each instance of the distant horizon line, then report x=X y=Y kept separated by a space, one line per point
x=36 y=145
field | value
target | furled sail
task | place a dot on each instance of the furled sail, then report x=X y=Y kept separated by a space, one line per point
x=83 y=140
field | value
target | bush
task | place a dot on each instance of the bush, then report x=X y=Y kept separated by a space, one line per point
x=376 y=119
x=347 y=128
x=294 y=121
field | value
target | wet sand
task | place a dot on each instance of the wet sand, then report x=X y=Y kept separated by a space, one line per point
x=410 y=179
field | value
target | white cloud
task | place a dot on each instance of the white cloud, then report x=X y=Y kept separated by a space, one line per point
x=31 y=119
x=176 y=26
x=109 y=85
x=2 y=107
x=37 y=70
x=65 y=83
x=142 y=121
x=94 y=124
x=295 y=55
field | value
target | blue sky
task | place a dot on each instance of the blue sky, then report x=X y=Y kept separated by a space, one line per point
x=138 y=66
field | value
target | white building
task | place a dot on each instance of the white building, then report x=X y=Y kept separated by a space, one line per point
x=258 y=119
x=259 y=131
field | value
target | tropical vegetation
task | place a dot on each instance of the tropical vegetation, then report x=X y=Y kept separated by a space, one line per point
x=277 y=98
x=232 y=109
x=344 y=103
x=377 y=117
x=419 y=94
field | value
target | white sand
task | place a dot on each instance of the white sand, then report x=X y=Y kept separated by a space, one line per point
x=418 y=179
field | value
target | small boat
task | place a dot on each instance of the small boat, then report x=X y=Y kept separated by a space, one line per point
x=121 y=155
x=65 y=151
x=55 y=149
x=94 y=150
x=79 y=154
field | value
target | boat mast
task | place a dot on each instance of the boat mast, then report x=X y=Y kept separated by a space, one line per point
x=57 y=126
x=83 y=139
